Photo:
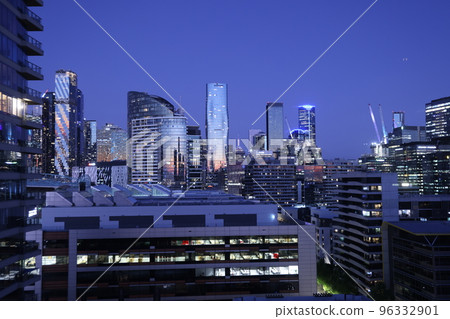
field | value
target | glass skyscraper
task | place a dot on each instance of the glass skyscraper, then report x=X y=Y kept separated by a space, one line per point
x=20 y=123
x=307 y=123
x=90 y=136
x=438 y=118
x=141 y=104
x=216 y=125
x=157 y=144
x=158 y=151
x=398 y=119
x=69 y=122
x=274 y=125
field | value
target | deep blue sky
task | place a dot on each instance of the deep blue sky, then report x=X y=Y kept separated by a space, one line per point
x=259 y=48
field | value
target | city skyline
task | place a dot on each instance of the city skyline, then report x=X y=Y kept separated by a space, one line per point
x=167 y=210
x=388 y=73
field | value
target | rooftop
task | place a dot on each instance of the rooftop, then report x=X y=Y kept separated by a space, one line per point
x=436 y=227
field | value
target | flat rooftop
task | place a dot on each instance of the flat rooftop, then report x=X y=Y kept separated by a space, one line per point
x=434 y=227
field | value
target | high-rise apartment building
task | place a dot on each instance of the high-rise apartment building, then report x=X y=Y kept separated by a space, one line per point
x=307 y=122
x=69 y=122
x=438 y=118
x=274 y=125
x=18 y=147
x=364 y=200
x=111 y=143
x=216 y=125
x=90 y=137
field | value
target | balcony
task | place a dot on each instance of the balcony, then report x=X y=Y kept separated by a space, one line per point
x=31 y=46
x=30 y=20
x=31 y=71
x=32 y=96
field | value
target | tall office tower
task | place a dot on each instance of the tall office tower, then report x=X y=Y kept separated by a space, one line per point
x=18 y=149
x=307 y=123
x=111 y=143
x=196 y=161
x=398 y=119
x=216 y=125
x=48 y=133
x=158 y=151
x=364 y=201
x=141 y=104
x=68 y=122
x=90 y=138
x=274 y=125
x=438 y=118
x=81 y=142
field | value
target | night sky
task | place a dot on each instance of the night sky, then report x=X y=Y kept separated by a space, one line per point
x=397 y=55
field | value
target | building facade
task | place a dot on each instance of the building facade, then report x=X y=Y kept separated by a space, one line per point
x=18 y=148
x=196 y=161
x=90 y=138
x=417 y=260
x=48 y=133
x=364 y=200
x=274 y=125
x=281 y=181
x=216 y=126
x=111 y=143
x=158 y=151
x=438 y=118
x=141 y=104
x=69 y=122
x=226 y=249
x=307 y=122
x=398 y=119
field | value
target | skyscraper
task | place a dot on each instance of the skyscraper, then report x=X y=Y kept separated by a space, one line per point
x=398 y=119
x=90 y=137
x=364 y=201
x=216 y=125
x=48 y=133
x=18 y=148
x=68 y=122
x=438 y=118
x=274 y=125
x=196 y=158
x=307 y=122
x=111 y=143
x=157 y=152
x=141 y=104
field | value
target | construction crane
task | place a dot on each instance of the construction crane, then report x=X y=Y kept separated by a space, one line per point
x=382 y=124
x=289 y=127
x=374 y=123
